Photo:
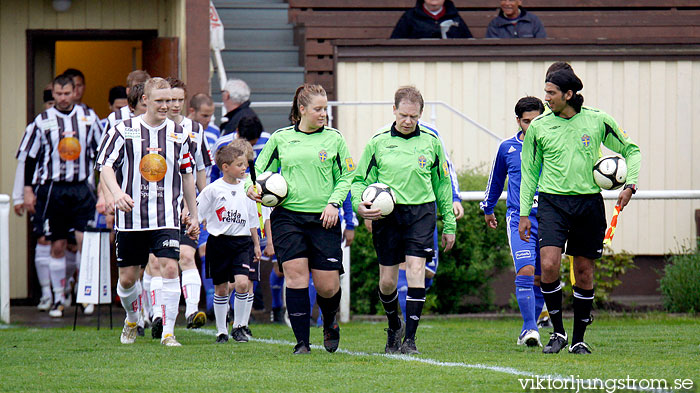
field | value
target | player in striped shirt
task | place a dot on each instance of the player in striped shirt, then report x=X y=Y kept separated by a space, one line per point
x=126 y=112
x=147 y=166
x=117 y=99
x=63 y=145
x=42 y=252
x=191 y=281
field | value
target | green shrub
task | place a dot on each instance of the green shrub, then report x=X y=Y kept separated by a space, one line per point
x=606 y=275
x=680 y=284
x=465 y=273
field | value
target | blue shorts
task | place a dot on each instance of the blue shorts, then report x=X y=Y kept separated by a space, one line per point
x=432 y=264
x=524 y=253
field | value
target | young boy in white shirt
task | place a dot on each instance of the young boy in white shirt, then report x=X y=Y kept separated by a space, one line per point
x=232 y=221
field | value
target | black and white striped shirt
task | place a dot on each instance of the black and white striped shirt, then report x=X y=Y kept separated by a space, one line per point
x=155 y=202
x=118 y=116
x=200 y=147
x=46 y=142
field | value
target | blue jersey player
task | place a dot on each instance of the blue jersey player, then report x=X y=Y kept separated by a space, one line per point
x=526 y=255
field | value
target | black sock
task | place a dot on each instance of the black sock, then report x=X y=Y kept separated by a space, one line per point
x=298 y=306
x=552 y=297
x=583 y=303
x=391 y=307
x=415 y=298
x=329 y=308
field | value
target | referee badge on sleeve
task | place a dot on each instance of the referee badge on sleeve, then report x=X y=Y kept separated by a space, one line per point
x=445 y=169
x=350 y=164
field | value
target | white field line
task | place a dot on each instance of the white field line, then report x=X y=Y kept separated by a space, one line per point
x=432 y=362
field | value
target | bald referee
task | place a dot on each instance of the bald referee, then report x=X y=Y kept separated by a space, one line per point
x=559 y=151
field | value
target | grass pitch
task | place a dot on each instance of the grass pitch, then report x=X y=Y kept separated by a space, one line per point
x=457 y=355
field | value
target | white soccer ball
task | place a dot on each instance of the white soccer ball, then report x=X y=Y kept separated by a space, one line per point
x=610 y=172
x=381 y=196
x=272 y=188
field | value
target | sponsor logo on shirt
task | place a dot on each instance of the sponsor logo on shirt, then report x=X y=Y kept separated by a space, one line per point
x=586 y=140
x=230 y=216
x=422 y=162
x=391 y=147
x=323 y=155
x=293 y=141
x=554 y=127
x=132 y=133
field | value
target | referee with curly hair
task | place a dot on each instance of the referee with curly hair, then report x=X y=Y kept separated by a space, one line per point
x=559 y=152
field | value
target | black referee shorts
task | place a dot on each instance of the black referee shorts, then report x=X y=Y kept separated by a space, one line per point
x=301 y=235
x=133 y=247
x=228 y=256
x=578 y=219
x=408 y=230
x=69 y=208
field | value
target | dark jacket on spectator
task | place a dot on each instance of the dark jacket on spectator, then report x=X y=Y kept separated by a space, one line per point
x=417 y=23
x=235 y=116
x=526 y=25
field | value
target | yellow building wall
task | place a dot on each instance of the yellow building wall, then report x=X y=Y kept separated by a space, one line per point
x=654 y=101
x=16 y=16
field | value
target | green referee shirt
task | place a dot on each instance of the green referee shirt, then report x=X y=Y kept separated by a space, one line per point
x=317 y=167
x=413 y=165
x=566 y=149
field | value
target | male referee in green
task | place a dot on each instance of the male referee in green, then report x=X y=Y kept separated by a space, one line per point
x=559 y=151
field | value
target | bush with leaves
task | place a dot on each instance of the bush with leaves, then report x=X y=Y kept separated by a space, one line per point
x=680 y=284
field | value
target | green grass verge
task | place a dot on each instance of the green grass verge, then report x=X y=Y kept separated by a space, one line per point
x=642 y=347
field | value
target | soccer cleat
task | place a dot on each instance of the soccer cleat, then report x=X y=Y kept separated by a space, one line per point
x=556 y=343
x=331 y=337
x=88 y=308
x=238 y=334
x=580 y=349
x=44 y=304
x=530 y=337
x=196 y=320
x=409 y=347
x=128 y=333
x=170 y=341
x=57 y=310
x=222 y=338
x=394 y=337
x=302 y=348
x=247 y=331
x=157 y=327
x=544 y=322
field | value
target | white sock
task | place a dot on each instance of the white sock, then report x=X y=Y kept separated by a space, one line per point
x=42 y=260
x=71 y=264
x=220 y=310
x=139 y=293
x=146 y=283
x=191 y=287
x=57 y=267
x=130 y=301
x=171 y=301
x=156 y=297
x=248 y=308
x=239 y=306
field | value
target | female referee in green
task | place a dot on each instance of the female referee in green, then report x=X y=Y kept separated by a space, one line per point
x=559 y=151
x=408 y=158
x=316 y=163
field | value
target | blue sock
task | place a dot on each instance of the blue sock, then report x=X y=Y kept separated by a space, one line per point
x=539 y=301
x=312 y=295
x=276 y=284
x=526 y=300
x=402 y=289
x=208 y=287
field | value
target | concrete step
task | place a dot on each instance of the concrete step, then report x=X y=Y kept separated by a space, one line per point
x=261 y=56
x=253 y=16
x=281 y=35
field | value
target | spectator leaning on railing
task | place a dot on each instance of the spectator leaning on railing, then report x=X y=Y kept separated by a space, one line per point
x=513 y=21
x=426 y=19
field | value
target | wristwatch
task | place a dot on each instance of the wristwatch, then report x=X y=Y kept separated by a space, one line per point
x=632 y=187
x=335 y=205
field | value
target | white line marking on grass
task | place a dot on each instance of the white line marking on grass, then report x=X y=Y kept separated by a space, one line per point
x=432 y=362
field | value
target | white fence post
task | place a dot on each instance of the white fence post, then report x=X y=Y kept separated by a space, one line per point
x=4 y=258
